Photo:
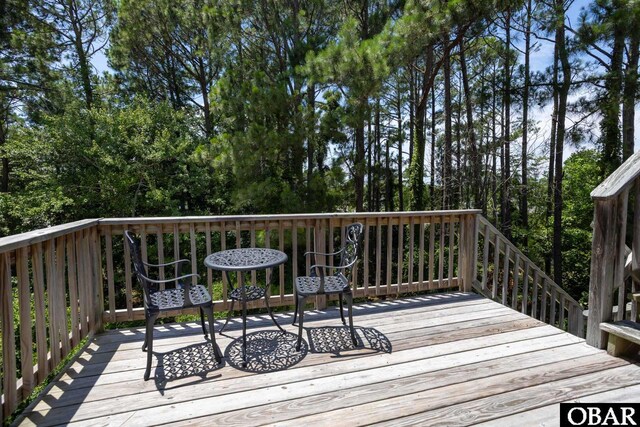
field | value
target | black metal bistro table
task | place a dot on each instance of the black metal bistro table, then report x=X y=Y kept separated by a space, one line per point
x=241 y=261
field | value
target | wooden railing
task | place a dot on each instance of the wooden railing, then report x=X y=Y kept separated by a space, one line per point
x=506 y=275
x=401 y=252
x=59 y=285
x=48 y=299
x=607 y=286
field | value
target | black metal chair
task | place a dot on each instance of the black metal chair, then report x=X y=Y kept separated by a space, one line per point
x=156 y=300
x=338 y=282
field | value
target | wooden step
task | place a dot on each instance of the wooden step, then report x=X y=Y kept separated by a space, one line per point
x=624 y=337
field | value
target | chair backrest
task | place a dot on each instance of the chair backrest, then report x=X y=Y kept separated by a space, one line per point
x=138 y=266
x=351 y=245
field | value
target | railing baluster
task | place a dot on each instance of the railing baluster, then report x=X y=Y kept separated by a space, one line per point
x=451 y=231
x=111 y=287
x=496 y=267
x=552 y=304
x=389 y=249
x=127 y=274
x=485 y=256
x=421 y=255
x=441 y=255
x=561 y=316
x=365 y=261
x=73 y=289
x=294 y=255
x=208 y=249
x=378 y=254
x=505 y=274
x=9 y=380
x=400 y=255
x=281 y=267
x=534 y=296
x=24 y=304
x=39 y=306
x=516 y=274
x=432 y=250
x=194 y=255
x=412 y=225
x=54 y=335
x=525 y=289
x=543 y=306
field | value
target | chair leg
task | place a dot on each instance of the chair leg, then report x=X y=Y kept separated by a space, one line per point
x=204 y=330
x=349 y=297
x=300 y=305
x=148 y=338
x=216 y=350
x=244 y=332
x=144 y=344
x=295 y=298
x=228 y=316
x=341 y=309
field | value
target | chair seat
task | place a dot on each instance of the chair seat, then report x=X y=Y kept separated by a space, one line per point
x=170 y=299
x=306 y=285
x=252 y=292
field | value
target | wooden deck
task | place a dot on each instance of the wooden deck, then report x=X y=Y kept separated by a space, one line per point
x=450 y=359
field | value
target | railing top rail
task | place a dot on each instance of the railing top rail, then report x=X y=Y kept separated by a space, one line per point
x=359 y=215
x=620 y=179
x=523 y=257
x=16 y=241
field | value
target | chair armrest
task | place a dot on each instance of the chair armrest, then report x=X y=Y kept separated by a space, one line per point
x=335 y=267
x=176 y=279
x=321 y=268
x=323 y=253
x=329 y=267
x=180 y=261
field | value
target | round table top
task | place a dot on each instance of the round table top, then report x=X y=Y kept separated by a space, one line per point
x=245 y=259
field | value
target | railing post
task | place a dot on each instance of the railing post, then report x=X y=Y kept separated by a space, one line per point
x=468 y=255
x=320 y=246
x=98 y=295
x=609 y=222
x=635 y=248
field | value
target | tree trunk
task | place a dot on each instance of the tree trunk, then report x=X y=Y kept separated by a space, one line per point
x=563 y=94
x=552 y=154
x=524 y=202
x=412 y=106
x=612 y=149
x=359 y=167
x=73 y=15
x=4 y=180
x=388 y=172
x=474 y=159
x=447 y=182
x=378 y=167
x=506 y=192
x=432 y=181
x=416 y=169
x=369 y=165
x=399 y=119
x=494 y=144
x=629 y=98
x=311 y=122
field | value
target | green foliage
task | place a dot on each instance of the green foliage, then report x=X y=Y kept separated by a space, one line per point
x=140 y=159
x=581 y=176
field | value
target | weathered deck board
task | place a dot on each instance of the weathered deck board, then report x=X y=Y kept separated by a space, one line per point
x=456 y=359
